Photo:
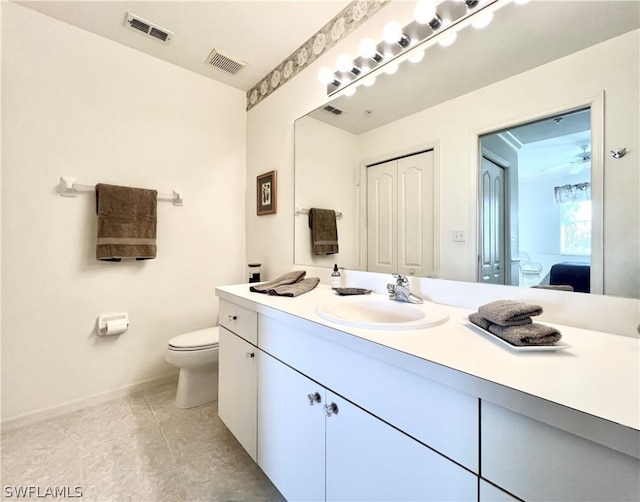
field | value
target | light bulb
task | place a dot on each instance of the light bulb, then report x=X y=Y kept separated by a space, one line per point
x=392 y=32
x=325 y=75
x=390 y=69
x=350 y=91
x=416 y=57
x=447 y=41
x=424 y=11
x=344 y=62
x=369 y=81
x=367 y=48
x=482 y=21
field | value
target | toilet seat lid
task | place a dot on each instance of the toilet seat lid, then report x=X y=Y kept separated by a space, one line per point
x=200 y=339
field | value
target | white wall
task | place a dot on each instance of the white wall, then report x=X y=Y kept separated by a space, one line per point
x=77 y=104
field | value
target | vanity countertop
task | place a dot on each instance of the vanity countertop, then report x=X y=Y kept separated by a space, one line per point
x=598 y=375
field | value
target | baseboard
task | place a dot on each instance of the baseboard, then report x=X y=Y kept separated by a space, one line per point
x=78 y=404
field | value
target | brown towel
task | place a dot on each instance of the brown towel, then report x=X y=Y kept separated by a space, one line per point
x=324 y=231
x=296 y=289
x=288 y=278
x=127 y=221
x=523 y=335
x=509 y=312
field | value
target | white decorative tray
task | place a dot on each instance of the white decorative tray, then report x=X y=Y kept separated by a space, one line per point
x=559 y=345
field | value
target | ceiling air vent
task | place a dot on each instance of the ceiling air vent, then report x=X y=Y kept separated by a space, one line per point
x=333 y=109
x=224 y=62
x=143 y=26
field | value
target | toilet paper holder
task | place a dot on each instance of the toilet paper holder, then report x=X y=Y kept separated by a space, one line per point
x=113 y=324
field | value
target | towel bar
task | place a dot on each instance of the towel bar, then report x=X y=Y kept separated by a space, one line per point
x=305 y=210
x=69 y=188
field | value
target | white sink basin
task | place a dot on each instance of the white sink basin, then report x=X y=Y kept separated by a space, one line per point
x=378 y=312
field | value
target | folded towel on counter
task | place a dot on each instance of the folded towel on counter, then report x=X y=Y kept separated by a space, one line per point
x=284 y=279
x=324 y=231
x=509 y=312
x=296 y=289
x=522 y=335
x=127 y=221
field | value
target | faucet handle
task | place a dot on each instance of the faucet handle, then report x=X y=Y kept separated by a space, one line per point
x=401 y=280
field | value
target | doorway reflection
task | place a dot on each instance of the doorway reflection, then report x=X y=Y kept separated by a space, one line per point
x=542 y=238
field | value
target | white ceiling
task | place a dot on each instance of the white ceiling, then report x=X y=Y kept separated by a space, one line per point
x=262 y=33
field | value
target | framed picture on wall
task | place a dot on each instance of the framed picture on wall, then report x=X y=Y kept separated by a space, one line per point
x=266 y=193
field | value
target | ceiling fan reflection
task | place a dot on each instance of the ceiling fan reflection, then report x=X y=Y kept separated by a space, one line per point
x=574 y=164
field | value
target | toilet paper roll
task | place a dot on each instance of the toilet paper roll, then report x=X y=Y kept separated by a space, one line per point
x=117 y=327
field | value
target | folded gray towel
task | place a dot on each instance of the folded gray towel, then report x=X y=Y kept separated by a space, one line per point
x=522 y=335
x=509 y=312
x=296 y=289
x=288 y=278
x=478 y=320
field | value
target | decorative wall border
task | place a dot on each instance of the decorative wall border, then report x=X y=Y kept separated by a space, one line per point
x=347 y=20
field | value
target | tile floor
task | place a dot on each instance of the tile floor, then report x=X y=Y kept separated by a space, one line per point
x=140 y=448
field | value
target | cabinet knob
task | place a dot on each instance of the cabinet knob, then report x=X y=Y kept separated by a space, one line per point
x=314 y=398
x=331 y=409
x=232 y=317
x=250 y=355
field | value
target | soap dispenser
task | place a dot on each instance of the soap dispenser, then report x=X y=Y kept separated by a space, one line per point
x=335 y=277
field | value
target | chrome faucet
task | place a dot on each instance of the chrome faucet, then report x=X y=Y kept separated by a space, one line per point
x=400 y=290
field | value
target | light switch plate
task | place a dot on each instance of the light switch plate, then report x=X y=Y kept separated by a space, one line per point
x=459 y=236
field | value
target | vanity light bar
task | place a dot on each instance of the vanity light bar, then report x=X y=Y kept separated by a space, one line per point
x=397 y=53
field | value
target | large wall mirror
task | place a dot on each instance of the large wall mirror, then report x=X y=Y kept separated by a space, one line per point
x=546 y=91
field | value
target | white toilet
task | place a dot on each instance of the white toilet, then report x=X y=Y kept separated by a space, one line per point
x=196 y=354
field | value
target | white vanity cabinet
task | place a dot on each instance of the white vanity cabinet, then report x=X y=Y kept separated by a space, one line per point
x=439 y=416
x=238 y=373
x=315 y=445
x=537 y=461
x=419 y=419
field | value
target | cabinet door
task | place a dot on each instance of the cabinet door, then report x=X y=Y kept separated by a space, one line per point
x=238 y=387
x=536 y=461
x=290 y=430
x=369 y=460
